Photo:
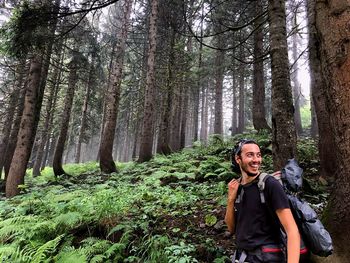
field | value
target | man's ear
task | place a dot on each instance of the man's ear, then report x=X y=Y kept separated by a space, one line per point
x=238 y=159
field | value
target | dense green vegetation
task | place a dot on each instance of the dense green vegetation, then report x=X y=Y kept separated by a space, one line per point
x=170 y=209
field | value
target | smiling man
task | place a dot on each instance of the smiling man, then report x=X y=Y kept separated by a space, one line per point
x=256 y=224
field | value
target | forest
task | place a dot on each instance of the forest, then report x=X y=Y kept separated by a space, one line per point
x=118 y=117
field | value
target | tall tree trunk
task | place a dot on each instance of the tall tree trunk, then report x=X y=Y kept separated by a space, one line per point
x=107 y=164
x=84 y=110
x=234 y=119
x=259 y=114
x=12 y=141
x=211 y=118
x=219 y=79
x=166 y=122
x=50 y=140
x=198 y=86
x=46 y=63
x=68 y=103
x=283 y=128
x=126 y=140
x=204 y=115
x=51 y=153
x=32 y=106
x=27 y=129
x=69 y=143
x=104 y=98
x=50 y=108
x=188 y=85
x=44 y=134
x=241 y=110
x=335 y=63
x=6 y=130
x=184 y=116
x=328 y=160
x=136 y=141
x=314 y=125
x=10 y=113
x=147 y=135
x=176 y=115
x=294 y=77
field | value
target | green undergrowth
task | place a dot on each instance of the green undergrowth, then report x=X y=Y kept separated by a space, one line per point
x=169 y=209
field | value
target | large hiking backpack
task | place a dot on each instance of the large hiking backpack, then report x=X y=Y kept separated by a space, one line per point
x=312 y=231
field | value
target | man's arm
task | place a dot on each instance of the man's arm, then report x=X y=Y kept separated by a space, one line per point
x=293 y=238
x=230 y=209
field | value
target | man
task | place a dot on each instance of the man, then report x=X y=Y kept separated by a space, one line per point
x=255 y=224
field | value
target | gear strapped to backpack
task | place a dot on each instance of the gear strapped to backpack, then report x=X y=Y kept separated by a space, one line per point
x=313 y=234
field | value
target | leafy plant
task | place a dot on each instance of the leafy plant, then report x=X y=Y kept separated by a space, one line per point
x=181 y=253
x=140 y=214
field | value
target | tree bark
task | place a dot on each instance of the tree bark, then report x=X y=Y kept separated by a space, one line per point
x=84 y=110
x=147 y=135
x=283 y=127
x=204 y=115
x=176 y=117
x=259 y=114
x=184 y=116
x=314 y=125
x=234 y=118
x=11 y=113
x=241 y=82
x=50 y=107
x=27 y=129
x=166 y=122
x=44 y=134
x=219 y=78
x=328 y=160
x=198 y=85
x=107 y=164
x=335 y=63
x=11 y=144
x=294 y=77
x=65 y=117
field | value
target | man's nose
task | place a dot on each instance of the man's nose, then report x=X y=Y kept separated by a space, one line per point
x=256 y=157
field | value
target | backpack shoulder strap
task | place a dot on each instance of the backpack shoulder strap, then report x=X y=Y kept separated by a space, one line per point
x=240 y=192
x=261 y=186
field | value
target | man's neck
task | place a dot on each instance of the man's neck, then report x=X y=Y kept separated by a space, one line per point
x=246 y=179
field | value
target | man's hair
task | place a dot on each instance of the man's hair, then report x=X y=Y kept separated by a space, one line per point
x=237 y=149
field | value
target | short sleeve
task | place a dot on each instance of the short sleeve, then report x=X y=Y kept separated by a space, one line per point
x=275 y=195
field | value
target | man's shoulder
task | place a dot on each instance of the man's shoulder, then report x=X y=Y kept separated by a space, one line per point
x=272 y=182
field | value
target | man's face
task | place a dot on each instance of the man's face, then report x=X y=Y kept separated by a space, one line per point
x=249 y=159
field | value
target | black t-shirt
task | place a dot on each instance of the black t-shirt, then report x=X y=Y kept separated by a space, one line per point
x=255 y=224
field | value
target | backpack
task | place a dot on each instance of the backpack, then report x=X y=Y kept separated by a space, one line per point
x=313 y=234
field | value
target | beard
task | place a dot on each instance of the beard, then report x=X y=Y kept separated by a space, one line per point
x=249 y=173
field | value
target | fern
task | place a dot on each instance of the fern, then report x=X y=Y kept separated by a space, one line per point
x=115 y=251
x=43 y=230
x=7 y=251
x=13 y=255
x=94 y=246
x=45 y=251
x=15 y=226
x=69 y=220
x=71 y=256
x=152 y=248
x=98 y=259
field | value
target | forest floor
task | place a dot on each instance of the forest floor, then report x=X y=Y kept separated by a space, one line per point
x=170 y=209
